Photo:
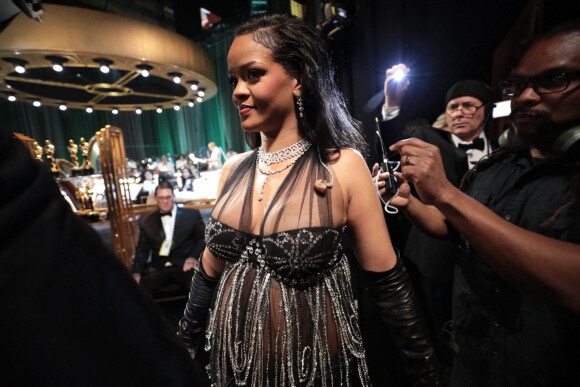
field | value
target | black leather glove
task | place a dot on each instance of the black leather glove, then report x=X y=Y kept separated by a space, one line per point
x=392 y=293
x=194 y=321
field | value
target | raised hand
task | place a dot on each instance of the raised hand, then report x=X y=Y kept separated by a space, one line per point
x=395 y=86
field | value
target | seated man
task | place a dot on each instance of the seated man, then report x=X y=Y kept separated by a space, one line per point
x=174 y=238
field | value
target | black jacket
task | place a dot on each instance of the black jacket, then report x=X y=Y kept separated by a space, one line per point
x=187 y=241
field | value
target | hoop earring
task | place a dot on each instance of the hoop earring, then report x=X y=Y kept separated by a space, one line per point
x=300 y=103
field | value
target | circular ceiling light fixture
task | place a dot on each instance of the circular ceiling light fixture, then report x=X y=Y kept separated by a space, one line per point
x=176 y=76
x=19 y=65
x=194 y=85
x=57 y=62
x=68 y=33
x=104 y=64
x=145 y=69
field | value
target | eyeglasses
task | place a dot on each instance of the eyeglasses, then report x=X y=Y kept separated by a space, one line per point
x=466 y=108
x=164 y=198
x=554 y=82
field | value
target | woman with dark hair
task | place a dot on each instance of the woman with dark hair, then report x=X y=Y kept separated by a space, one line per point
x=284 y=310
x=186 y=180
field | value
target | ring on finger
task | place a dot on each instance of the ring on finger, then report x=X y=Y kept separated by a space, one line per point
x=407 y=159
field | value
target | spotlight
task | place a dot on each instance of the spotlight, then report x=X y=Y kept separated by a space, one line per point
x=194 y=85
x=89 y=109
x=201 y=92
x=104 y=64
x=176 y=76
x=145 y=69
x=11 y=97
x=62 y=107
x=36 y=103
x=176 y=107
x=199 y=99
x=19 y=64
x=57 y=62
x=115 y=111
x=138 y=111
x=190 y=103
x=159 y=110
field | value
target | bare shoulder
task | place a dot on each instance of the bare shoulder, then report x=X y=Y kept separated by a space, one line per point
x=348 y=159
x=350 y=169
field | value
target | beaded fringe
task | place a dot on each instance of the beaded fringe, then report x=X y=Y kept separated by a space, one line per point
x=237 y=348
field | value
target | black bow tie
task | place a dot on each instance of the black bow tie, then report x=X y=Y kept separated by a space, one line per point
x=165 y=213
x=478 y=143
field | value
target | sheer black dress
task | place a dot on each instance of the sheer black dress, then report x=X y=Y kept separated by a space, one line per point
x=284 y=312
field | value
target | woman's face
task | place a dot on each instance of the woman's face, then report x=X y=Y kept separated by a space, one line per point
x=148 y=175
x=263 y=91
x=185 y=173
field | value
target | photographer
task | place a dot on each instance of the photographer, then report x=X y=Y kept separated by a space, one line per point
x=516 y=302
x=468 y=107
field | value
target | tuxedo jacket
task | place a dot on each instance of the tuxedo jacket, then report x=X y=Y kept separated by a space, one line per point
x=187 y=241
x=435 y=258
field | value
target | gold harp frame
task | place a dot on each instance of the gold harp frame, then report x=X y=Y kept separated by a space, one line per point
x=120 y=207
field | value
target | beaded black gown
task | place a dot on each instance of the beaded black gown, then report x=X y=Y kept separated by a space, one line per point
x=284 y=311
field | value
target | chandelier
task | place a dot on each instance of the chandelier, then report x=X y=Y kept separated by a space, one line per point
x=85 y=59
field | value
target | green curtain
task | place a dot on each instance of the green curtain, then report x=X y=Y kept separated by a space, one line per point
x=149 y=134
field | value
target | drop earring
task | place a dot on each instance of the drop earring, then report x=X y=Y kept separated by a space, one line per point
x=300 y=104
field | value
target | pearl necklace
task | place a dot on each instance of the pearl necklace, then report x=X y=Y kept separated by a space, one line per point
x=295 y=150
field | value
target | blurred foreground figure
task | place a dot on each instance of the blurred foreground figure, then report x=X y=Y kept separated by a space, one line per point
x=70 y=312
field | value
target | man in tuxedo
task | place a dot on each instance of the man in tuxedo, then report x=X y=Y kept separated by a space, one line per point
x=468 y=107
x=170 y=240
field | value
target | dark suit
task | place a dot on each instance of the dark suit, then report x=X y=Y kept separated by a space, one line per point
x=434 y=259
x=187 y=241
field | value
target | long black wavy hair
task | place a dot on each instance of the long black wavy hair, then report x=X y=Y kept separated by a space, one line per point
x=302 y=53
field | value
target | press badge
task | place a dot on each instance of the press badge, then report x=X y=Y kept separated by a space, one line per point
x=165 y=247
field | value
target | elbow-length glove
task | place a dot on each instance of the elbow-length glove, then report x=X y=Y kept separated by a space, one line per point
x=193 y=324
x=392 y=293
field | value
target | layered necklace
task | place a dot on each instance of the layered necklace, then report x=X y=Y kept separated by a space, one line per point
x=293 y=151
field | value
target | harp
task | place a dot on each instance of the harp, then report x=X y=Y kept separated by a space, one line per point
x=120 y=206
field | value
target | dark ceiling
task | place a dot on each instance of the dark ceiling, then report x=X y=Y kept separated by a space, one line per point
x=182 y=16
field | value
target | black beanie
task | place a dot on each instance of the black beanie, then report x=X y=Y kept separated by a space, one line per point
x=469 y=88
